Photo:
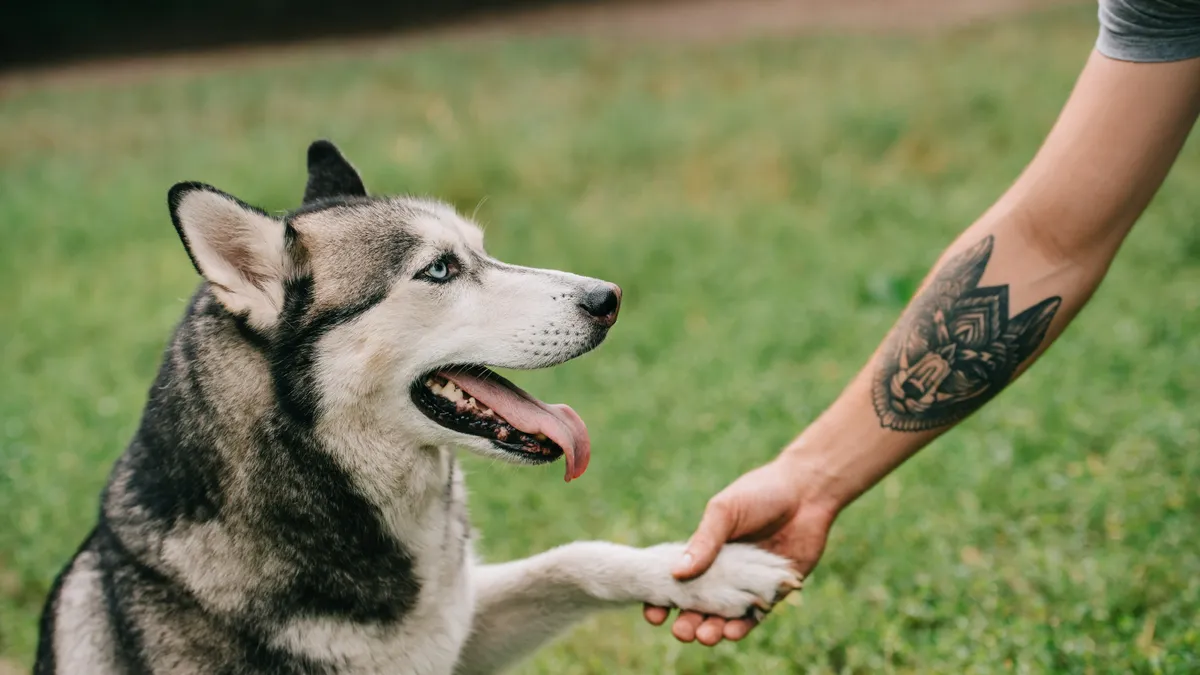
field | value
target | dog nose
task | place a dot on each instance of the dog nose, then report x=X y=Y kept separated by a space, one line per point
x=602 y=304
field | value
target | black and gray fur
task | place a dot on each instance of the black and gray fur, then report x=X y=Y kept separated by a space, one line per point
x=284 y=507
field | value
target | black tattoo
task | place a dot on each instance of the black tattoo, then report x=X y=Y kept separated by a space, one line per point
x=956 y=347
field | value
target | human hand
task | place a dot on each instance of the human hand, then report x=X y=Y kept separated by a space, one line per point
x=769 y=506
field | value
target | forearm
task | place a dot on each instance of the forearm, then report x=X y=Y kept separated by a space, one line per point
x=1012 y=282
x=989 y=310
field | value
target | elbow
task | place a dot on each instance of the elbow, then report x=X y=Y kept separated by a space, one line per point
x=1050 y=242
x=1064 y=238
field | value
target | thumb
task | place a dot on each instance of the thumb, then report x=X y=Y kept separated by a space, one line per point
x=702 y=549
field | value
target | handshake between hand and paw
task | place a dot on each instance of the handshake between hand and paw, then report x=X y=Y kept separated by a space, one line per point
x=766 y=506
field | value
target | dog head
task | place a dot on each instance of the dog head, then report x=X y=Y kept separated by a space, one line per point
x=382 y=315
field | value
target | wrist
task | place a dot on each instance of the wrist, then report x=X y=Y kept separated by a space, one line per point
x=845 y=451
x=822 y=482
x=836 y=459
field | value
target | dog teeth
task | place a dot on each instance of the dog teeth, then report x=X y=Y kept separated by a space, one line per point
x=540 y=437
x=449 y=391
x=463 y=401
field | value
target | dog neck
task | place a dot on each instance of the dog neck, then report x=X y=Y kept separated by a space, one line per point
x=217 y=456
x=408 y=483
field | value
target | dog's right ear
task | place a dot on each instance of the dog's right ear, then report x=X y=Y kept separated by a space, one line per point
x=330 y=174
x=238 y=248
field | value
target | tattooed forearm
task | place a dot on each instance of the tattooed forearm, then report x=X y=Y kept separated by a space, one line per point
x=956 y=347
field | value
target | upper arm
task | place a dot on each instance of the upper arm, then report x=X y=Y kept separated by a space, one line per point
x=1110 y=149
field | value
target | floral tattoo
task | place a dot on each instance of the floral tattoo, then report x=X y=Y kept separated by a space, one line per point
x=956 y=347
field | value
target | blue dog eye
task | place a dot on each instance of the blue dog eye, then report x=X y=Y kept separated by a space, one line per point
x=441 y=270
x=438 y=270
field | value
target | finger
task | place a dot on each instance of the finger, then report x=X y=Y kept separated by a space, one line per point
x=702 y=549
x=711 y=631
x=738 y=629
x=655 y=615
x=685 y=626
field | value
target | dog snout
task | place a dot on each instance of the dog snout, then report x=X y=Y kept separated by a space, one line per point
x=602 y=304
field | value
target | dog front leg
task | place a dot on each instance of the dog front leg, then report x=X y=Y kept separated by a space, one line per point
x=521 y=604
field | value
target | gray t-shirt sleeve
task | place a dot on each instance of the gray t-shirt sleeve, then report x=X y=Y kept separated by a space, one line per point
x=1149 y=30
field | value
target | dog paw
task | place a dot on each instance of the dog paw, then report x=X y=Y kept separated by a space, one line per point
x=743 y=581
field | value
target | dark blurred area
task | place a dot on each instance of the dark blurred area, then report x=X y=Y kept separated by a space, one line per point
x=56 y=31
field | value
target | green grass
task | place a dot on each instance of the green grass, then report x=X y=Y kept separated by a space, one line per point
x=767 y=206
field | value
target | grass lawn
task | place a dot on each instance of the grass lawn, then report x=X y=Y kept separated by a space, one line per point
x=768 y=207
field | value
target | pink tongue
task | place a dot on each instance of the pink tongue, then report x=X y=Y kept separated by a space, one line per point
x=558 y=422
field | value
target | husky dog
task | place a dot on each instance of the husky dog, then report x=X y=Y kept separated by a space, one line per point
x=291 y=502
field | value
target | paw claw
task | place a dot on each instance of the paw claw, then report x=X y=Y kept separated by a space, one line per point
x=790 y=585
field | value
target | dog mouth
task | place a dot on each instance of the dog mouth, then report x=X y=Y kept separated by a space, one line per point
x=475 y=401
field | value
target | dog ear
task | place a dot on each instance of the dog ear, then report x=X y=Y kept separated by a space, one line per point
x=238 y=248
x=330 y=174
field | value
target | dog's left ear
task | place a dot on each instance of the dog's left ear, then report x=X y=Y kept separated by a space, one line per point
x=239 y=249
x=330 y=174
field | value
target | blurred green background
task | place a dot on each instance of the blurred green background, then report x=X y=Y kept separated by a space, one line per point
x=768 y=205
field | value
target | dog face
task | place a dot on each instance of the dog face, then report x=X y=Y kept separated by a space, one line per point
x=382 y=315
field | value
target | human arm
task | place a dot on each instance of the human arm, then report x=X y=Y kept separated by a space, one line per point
x=996 y=299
